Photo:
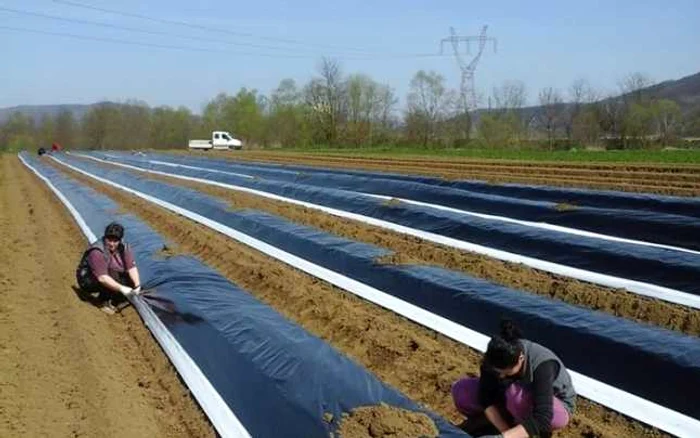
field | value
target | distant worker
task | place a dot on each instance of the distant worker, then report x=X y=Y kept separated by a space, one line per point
x=56 y=147
x=109 y=269
x=524 y=390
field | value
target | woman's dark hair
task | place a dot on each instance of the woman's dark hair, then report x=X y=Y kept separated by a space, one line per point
x=114 y=230
x=504 y=349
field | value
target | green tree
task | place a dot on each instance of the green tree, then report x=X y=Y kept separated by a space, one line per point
x=18 y=133
x=289 y=116
x=131 y=129
x=66 y=131
x=46 y=131
x=638 y=123
x=97 y=125
x=170 y=128
x=245 y=115
x=498 y=130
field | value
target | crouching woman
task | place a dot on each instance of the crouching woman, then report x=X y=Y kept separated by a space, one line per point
x=524 y=390
x=109 y=269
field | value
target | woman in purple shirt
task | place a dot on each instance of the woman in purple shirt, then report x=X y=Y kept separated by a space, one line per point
x=113 y=266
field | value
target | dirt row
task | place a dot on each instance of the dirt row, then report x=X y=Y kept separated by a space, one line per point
x=412 y=250
x=457 y=162
x=420 y=363
x=679 y=181
x=67 y=369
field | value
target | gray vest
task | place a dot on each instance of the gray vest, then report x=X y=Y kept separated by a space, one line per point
x=535 y=354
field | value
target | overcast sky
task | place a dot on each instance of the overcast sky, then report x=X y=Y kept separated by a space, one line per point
x=231 y=44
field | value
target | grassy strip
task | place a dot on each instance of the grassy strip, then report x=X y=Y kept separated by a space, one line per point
x=680 y=156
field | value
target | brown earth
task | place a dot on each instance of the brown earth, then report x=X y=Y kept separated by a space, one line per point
x=66 y=368
x=385 y=421
x=680 y=180
x=412 y=250
x=418 y=362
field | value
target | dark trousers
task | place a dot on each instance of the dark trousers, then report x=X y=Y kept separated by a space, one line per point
x=115 y=298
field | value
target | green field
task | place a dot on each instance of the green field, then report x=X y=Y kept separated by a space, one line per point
x=681 y=156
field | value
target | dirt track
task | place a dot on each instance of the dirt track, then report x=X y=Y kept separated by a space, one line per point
x=419 y=362
x=680 y=180
x=67 y=369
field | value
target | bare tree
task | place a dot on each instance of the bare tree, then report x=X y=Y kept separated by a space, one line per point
x=667 y=117
x=429 y=103
x=362 y=100
x=580 y=93
x=332 y=79
x=385 y=117
x=551 y=112
x=509 y=98
x=632 y=87
x=511 y=95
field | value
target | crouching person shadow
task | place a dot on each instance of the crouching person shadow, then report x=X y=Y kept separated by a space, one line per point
x=100 y=301
x=92 y=298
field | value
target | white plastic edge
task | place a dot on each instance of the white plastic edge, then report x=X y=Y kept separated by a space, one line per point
x=637 y=287
x=164 y=163
x=218 y=412
x=540 y=225
x=618 y=400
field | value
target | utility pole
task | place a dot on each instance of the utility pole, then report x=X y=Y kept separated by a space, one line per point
x=467 y=67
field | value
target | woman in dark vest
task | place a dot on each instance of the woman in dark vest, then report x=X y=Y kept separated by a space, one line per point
x=524 y=390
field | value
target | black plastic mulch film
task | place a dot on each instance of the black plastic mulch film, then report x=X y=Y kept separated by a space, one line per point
x=674 y=205
x=277 y=378
x=662 y=219
x=653 y=363
x=673 y=269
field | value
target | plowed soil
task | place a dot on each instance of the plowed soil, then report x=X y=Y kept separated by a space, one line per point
x=386 y=422
x=420 y=363
x=679 y=180
x=411 y=250
x=66 y=368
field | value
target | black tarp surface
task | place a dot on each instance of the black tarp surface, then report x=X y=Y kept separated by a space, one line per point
x=686 y=206
x=669 y=268
x=631 y=356
x=277 y=378
x=659 y=219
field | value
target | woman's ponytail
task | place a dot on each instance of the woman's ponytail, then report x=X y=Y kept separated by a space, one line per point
x=504 y=349
x=509 y=331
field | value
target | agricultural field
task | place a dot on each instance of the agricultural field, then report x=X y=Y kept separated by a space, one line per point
x=664 y=172
x=363 y=272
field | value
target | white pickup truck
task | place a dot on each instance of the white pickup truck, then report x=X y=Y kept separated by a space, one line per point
x=219 y=140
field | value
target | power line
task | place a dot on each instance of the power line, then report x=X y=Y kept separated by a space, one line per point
x=152 y=32
x=132 y=29
x=150 y=45
x=209 y=29
x=182 y=48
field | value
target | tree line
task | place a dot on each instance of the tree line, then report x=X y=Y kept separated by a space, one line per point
x=337 y=110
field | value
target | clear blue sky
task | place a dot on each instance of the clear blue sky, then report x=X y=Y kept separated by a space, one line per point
x=542 y=43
